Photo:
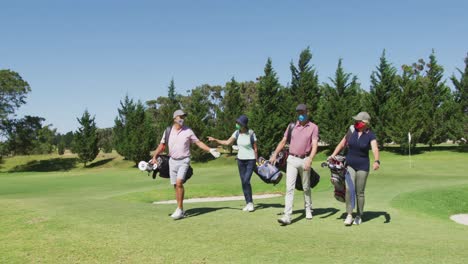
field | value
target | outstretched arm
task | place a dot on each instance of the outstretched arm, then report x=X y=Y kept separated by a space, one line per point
x=202 y=146
x=222 y=142
x=212 y=151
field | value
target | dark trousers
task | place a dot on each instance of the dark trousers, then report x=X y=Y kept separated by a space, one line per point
x=246 y=168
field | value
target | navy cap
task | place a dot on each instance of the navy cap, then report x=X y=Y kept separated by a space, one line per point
x=243 y=120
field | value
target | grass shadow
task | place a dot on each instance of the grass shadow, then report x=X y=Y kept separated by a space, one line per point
x=204 y=210
x=57 y=164
x=99 y=163
x=266 y=206
x=369 y=215
x=326 y=212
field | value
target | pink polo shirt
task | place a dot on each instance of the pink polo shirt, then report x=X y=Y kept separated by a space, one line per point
x=179 y=142
x=301 y=138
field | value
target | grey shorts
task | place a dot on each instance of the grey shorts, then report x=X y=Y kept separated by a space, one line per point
x=178 y=168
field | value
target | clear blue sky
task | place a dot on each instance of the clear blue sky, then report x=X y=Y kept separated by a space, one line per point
x=85 y=54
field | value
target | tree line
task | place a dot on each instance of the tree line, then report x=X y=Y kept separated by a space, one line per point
x=413 y=98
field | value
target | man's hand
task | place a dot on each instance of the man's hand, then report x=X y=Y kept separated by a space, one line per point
x=211 y=139
x=215 y=153
x=154 y=161
x=273 y=159
x=307 y=164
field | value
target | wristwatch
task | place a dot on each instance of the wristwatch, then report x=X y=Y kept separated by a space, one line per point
x=377 y=161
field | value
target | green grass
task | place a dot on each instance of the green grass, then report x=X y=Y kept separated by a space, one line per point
x=54 y=212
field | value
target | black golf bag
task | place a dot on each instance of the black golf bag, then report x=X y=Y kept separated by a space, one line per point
x=314 y=180
x=337 y=167
x=162 y=168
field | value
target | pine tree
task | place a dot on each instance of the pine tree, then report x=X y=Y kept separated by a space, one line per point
x=304 y=83
x=61 y=147
x=134 y=135
x=85 y=139
x=436 y=100
x=162 y=108
x=340 y=101
x=231 y=107
x=461 y=100
x=270 y=116
x=406 y=107
x=201 y=106
x=383 y=85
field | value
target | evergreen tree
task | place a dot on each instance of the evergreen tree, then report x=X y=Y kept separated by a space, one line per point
x=162 y=108
x=134 y=135
x=436 y=103
x=231 y=107
x=270 y=117
x=44 y=143
x=61 y=147
x=201 y=107
x=304 y=83
x=461 y=99
x=86 y=140
x=105 y=139
x=383 y=84
x=406 y=107
x=340 y=101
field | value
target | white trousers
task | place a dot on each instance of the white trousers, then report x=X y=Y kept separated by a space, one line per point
x=294 y=167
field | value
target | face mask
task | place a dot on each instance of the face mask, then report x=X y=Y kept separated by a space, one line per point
x=359 y=125
x=238 y=126
x=180 y=122
x=302 y=118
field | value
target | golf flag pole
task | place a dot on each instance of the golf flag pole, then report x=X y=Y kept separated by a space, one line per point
x=409 y=148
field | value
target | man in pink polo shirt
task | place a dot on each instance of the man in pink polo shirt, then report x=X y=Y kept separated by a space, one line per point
x=180 y=139
x=302 y=149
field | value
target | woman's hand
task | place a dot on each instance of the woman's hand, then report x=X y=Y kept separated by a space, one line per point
x=376 y=165
x=211 y=139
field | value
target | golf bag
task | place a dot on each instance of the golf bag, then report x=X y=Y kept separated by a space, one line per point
x=267 y=172
x=337 y=168
x=314 y=180
x=162 y=168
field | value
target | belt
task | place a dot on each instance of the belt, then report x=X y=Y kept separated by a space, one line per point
x=298 y=156
x=180 y=158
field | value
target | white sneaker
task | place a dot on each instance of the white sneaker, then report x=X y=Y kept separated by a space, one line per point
x=357 y=220
x=178 y=214
x=249 y=207
x=308 y=213
x=285 y=220
x=349 y=220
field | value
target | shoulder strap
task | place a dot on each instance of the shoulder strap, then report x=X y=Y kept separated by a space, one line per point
x=252 y=140
x=349 y=133
x=251 y=134
x=290 y=129
x=166 y=135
